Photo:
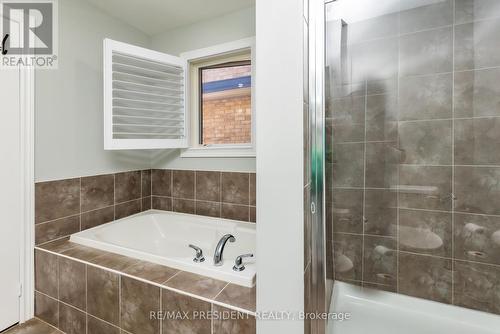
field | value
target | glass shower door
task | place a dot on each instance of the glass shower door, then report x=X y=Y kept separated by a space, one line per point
x=412 y=147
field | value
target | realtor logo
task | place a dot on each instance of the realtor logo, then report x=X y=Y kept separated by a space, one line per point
x=29 y=33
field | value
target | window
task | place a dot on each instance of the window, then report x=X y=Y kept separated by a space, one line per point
x=201 y=101
x=226 y=103
x=221 y=112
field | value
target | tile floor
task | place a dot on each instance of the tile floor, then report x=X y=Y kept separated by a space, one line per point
x=33 y=326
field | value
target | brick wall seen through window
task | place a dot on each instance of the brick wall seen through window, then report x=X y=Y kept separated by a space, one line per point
x=225 y=106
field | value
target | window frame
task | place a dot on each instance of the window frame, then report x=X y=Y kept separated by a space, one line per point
x=200 y=95
x=195 y=149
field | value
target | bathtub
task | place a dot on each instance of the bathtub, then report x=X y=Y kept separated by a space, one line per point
x=163 y=237
x=380 y=312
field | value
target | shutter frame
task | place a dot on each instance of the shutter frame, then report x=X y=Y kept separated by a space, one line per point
x=142 y=111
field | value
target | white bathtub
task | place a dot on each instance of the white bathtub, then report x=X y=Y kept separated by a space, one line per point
x=163 y=238
x=380 y=312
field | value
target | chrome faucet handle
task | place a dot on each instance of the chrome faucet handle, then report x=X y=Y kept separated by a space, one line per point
x=199 y=254
x=238 y=262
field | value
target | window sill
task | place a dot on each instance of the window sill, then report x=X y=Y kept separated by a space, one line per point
x=219 y=152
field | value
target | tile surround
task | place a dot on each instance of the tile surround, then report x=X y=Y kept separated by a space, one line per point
x=137 y=300
x=107 y=300
x=196 y=284
x=72 y=283
x=46 y=277
x=64 y=207
x=97 y=326
x=97 y=192
x=47 y=309
x=103 y=295
x=225 y=325
x=414 y=173
x=72 y=320
x=56 y=199
x=174 y=302
x=227 y=195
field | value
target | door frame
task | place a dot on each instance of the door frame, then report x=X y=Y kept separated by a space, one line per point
x=27 y=227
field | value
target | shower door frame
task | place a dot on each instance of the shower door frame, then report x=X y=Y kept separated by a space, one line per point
x=319 y=288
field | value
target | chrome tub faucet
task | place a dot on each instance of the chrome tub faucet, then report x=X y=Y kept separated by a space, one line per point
x=220 y=248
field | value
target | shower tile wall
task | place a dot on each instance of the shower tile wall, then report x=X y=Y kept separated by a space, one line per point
x=413 y=163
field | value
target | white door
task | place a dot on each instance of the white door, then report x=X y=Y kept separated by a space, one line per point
x=10 y=196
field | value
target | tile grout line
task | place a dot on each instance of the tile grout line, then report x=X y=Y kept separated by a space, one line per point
x=364 y=221
x=452 y=197
x=217 y=295
x=423 y=120
x=86 y=297
x=212 y=320
x=114 y=196
x=171 y=277
x=102 y=320
x=58 y=295
x=416 y=76
x=194 y=195
x=80 y=205
x=398 y=168
x=54 y=220
x=45 y=322
x=108 y=207
x=160 y=325
x=120 y=300
x=75 y=308
x=249 y=196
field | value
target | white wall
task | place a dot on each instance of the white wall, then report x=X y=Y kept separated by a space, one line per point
x=226 y=28
x=280 y=213
x=68 y=105
x=69 y=111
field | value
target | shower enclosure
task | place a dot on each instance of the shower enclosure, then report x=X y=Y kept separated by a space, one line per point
x=412 y=148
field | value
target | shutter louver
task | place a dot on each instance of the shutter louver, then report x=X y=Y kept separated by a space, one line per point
x=144 y=98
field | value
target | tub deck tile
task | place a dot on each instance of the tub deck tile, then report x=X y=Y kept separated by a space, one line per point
x=238 y=296
x=196 y=284
x=58 y=246
x=151 y=271
x=83 y=253
x=114 y=261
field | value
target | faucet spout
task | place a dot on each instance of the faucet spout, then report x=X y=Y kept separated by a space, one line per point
x=220 y=248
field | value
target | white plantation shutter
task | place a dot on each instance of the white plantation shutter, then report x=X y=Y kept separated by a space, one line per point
x=144 y=98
